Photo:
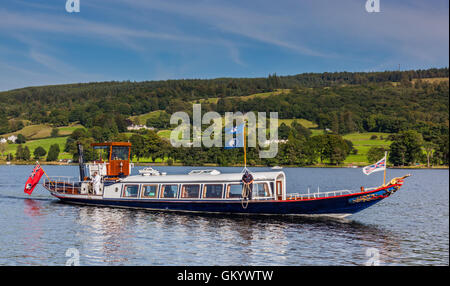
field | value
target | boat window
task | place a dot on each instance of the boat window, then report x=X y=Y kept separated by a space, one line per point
x=130 y=191
x=261 y=190
x=149 y=191
x=190 y=191
x=169 y=191
x=279 y=190
x=119 y=153
x=234 y=191
x=212 y=191
x=101 y=153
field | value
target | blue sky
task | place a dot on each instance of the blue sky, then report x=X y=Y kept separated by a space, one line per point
x=41 y=44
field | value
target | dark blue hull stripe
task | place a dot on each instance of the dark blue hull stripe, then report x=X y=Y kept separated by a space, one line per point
x=334 y=205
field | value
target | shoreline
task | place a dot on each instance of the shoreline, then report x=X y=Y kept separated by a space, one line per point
x=137 y=164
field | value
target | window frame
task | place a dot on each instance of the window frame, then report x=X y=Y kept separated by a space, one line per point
x=181 y=191
x=214 y=184
x=147 y=197
x=254 y=194
x=120 y=150
x=129 y=197
x=227 y=192
x=162 y=188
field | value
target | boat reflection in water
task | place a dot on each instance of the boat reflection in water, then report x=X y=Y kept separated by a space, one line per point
x=119 y=236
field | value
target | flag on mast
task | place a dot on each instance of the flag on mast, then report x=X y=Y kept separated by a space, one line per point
x=378 y=166
x=33 y=180
x=238 y=140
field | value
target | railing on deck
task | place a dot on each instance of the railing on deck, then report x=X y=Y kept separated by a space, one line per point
x=63 y=184
x=316 y=195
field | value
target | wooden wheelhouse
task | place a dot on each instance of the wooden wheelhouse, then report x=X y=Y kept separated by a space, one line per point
x=114 y=160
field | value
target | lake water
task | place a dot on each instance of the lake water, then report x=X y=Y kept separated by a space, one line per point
x=409 y=228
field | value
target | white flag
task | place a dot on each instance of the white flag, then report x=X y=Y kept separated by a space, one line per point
x=378 y=166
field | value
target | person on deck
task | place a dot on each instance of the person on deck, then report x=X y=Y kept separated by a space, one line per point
x=96 y=183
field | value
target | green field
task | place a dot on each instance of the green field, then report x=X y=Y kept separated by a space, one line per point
x=164 y=133
x=362 y=143
x=67 y=130
x=365 y=136
x=247 y=97
x=44 y=143
x=432 y=80
x=33 y=131
x=41 y=131
x=264 y=94
x=315 y=132
x=143 y=117
x=304 y=122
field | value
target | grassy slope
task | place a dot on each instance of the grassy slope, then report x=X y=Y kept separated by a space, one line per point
x=45 y=143
x=362 y=142
x=143 y=117
x=432 y=80
x=41 y=131
x=304 y=122
x=255 y=95
x=164 y=134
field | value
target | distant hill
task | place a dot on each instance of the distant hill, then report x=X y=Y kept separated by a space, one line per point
x=344 y=102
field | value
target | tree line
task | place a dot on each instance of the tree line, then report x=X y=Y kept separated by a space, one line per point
x=23 y=153
x=300 y=149
x=348 y=95
x=340 y=103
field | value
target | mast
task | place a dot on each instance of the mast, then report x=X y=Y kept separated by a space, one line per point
x=245 y=150
x=385 y=167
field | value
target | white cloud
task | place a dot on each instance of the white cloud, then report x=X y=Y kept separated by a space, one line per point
x=333 y=33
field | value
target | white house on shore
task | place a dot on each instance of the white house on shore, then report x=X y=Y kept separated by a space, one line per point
x=12 y=138
x=139 y=127
x=278 y=141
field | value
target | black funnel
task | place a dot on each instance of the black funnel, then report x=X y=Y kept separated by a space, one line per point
x=81 y=161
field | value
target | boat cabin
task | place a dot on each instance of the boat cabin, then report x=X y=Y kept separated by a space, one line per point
x=112 y=160
x=198 y=185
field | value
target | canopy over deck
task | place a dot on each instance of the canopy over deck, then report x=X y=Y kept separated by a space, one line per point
x=107 y=144
x=231 y=177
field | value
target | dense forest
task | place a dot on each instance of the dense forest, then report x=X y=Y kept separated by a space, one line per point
x=313 y=95
x=342 y=102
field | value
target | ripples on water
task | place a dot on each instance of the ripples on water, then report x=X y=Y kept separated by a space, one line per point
x=409 y=228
